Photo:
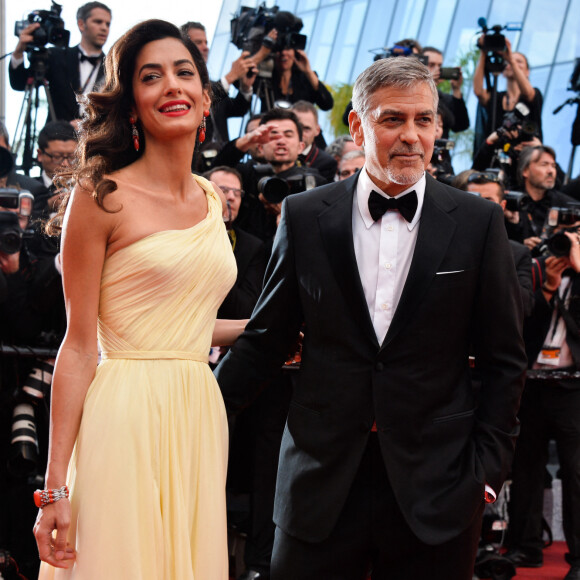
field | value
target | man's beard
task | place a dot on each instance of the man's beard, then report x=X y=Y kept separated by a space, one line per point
x=410 y=177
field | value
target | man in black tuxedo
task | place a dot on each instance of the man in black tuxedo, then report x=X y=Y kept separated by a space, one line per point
x=73 y=70
x=389 y=450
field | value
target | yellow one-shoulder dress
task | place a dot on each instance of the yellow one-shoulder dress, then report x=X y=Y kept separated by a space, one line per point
x=148 y=471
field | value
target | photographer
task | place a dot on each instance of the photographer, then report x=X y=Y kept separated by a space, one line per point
x=537 y=173
x=71 y=71
x=549 y=409
x=502 y=148
x=452 y=107
x=294 y=80
x=31 y=309
x=312 y=155
x=519 y=88
x=278 y=140
x=9 y=177
x=242 y=72
x=440 y=166
x=350 y=163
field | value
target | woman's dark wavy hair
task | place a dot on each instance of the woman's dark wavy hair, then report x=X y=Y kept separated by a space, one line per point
x=105 y=141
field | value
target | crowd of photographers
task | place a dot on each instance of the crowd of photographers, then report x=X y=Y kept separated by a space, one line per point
x=283 y=152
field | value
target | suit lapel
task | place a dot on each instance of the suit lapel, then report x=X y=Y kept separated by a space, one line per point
x=336 y=230
x=436 y=228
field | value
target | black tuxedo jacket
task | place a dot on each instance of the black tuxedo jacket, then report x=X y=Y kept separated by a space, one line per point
x=250 y=254
x=63 y=78
x=441 y=438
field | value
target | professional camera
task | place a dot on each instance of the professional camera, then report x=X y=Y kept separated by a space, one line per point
x=10 y=233
x=514 y=200
x=51 y=30
x=554 y=240
x=275 y=189
x=517 y=121
x=398 y=50
x=493 y=44
x=450 y=73
x=251 y=25
x=24 y=449
x=441 y=160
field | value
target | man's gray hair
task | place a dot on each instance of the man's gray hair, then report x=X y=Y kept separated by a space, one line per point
x=352 y=155
x=401 y=72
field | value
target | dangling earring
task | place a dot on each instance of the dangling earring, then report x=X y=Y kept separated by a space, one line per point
x=201 y=130
x=134 y=133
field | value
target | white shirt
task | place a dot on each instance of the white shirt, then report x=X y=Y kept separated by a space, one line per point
x=384 y=251
x=87 y=72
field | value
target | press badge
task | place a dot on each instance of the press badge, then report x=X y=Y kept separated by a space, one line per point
x=550 y=355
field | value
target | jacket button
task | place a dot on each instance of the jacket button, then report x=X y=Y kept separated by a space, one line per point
x=379 y=367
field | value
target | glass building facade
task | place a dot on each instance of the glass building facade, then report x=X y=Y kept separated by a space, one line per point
x=343 y=33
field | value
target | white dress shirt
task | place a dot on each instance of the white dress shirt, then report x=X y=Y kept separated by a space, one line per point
x=384 y=251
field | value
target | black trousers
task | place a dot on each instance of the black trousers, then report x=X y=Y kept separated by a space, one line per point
x=548 y=411
x=372 y=536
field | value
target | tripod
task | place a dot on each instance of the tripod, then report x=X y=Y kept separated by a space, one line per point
x=25 y=134
x=264 y=90
x=575 y=138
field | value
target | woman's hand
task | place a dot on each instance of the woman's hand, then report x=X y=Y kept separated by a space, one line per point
x=54 y=550
x=574 y=255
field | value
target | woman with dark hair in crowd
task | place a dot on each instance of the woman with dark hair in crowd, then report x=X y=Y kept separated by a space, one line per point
x=146 y=263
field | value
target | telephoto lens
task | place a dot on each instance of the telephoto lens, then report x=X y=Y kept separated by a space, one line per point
x=23 y=455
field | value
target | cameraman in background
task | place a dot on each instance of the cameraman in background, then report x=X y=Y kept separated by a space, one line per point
x=550 y=405
x=223 y=107
x=440 y=165
x=452 y=107
x=312 y=155
x=537 y=174
x=519 y=88
x=278 y=140
x=71 y=71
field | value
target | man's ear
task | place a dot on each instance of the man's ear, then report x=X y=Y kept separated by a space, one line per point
x=301 y=147
x=81 y=25
x=317 y=131
x=356 y=129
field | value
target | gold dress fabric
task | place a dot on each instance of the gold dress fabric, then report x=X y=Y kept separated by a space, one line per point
x=148 y=471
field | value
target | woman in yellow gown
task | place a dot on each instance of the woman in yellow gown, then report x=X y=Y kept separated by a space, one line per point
x=141 y=439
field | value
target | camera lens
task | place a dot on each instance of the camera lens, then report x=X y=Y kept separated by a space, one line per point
x=24 y=443
x=274 y=189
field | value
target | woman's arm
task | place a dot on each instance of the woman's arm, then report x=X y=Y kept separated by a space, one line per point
x=478 y=88
x=226 y=331
x=84 y=242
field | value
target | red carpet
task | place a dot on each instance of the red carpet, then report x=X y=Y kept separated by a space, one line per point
x=554 y=568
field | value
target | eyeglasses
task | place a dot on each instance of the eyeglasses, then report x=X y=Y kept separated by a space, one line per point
x=237 y=192
x=484 y=177
x=60 y=157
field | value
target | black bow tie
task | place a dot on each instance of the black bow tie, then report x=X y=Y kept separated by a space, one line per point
x=94 y=60
x=407 y=205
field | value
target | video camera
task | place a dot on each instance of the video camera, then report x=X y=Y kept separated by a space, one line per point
x=516 y=120
x=275 y=189
x=398 y=50
x=51 y=30
x=251 y=25
x=10 y=231
x=493 y=44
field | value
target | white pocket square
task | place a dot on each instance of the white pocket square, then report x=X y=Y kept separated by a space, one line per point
x=450 y=272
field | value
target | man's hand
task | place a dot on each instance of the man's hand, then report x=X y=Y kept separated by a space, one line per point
x=554 y=268
x=260 y=135
x=574 y=255
x=535 y=142
x=532 y=242
x=9 y=263
x=271 y=208
x=240 y=68
x=456 y=85
x=302 y=62
x=25 y=38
